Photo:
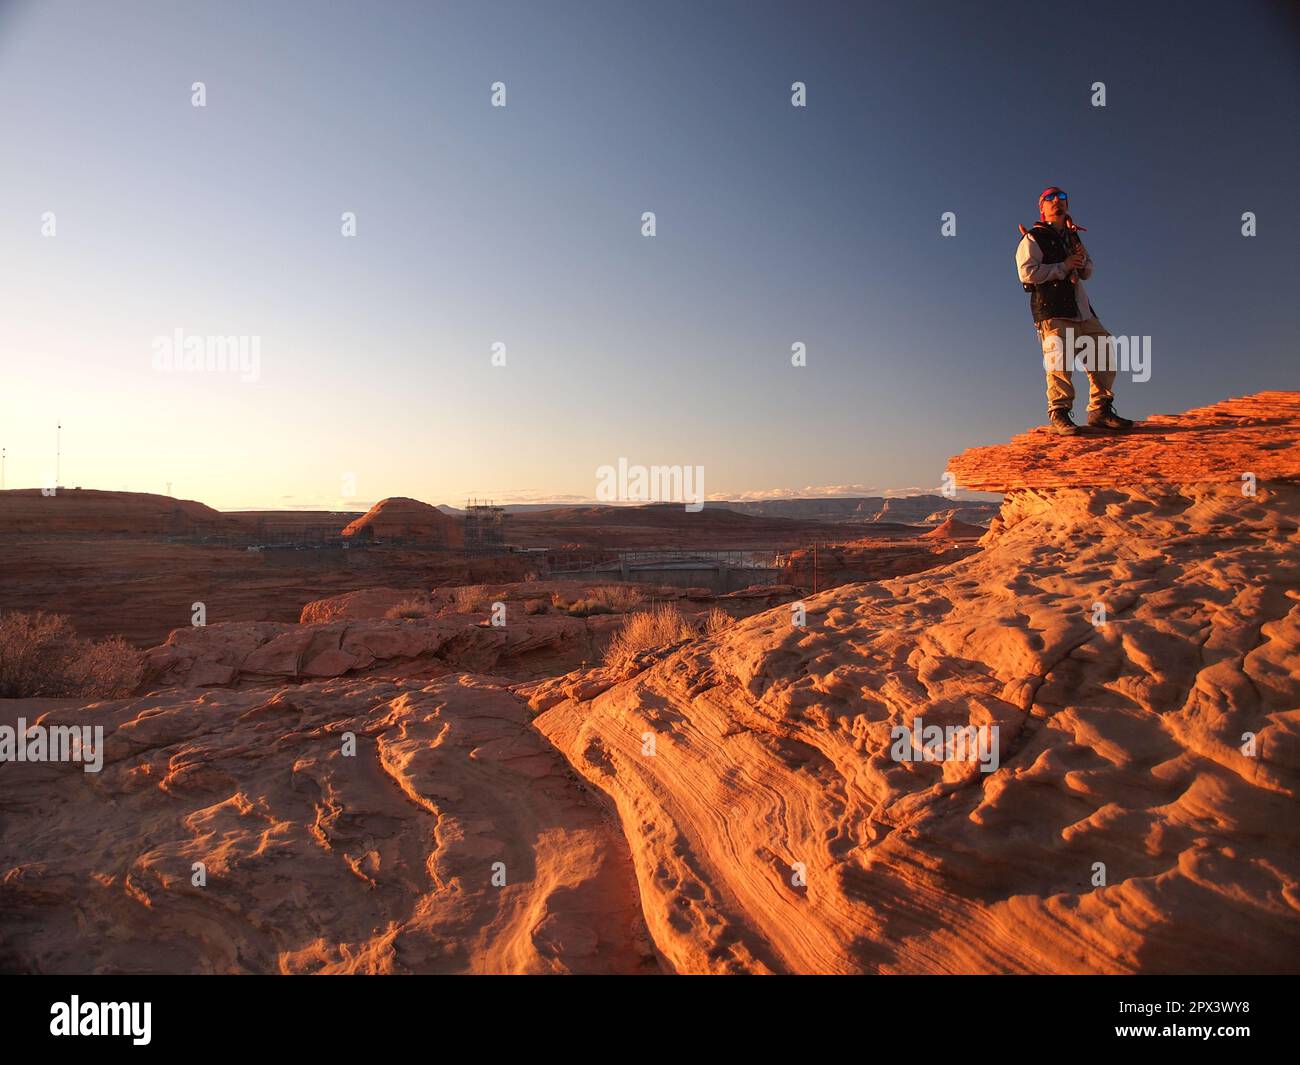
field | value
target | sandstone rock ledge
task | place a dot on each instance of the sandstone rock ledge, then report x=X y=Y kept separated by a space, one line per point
x=316 y=861
x=1123 y=745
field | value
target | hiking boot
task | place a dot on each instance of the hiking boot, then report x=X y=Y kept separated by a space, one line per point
x=1106 y=418
x=1061 y=424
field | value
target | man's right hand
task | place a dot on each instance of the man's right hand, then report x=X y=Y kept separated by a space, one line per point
x=1076 y=259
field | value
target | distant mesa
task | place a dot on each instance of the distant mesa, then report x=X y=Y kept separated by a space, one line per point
x=647 y=514
x=80 y=510
x=954 y=529
x=402 y=520
x=971 y=513
x=922 y=509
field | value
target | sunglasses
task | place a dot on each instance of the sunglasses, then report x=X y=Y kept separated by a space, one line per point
x=1056 y=196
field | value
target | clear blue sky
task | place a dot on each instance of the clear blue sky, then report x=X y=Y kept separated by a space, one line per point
x=523 y=224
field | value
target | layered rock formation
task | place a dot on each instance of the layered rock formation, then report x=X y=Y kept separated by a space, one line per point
x=1132 y=630
x=406 y=521
x=453 y=839
x=266 y=652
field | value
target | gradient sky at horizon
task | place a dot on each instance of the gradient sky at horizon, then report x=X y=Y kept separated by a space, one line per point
x=522 y=224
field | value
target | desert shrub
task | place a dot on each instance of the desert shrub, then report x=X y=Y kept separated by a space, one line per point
x=604 y=599
x=618 y=597
x=470 y=598
x=41 y=656
x=107 y=669
x=562 y=603
x=645 y=629
x=715 y=620
x=35 y=651
x=411 y=608
x=585 y=608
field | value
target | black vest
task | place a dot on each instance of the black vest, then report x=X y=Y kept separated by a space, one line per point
x=1054 y=299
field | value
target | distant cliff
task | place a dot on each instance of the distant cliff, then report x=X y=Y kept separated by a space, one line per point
x=911 y=510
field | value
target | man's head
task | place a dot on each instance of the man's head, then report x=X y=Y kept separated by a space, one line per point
x=1053 y=205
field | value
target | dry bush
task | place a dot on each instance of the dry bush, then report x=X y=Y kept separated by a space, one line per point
x=604 y=599
x=618 y=597
x=469 y=599
x=565 y=605
x=107 y=669
x=660 y=627
x=585 y=608
x=411 y=608
x=41 y=656
x=716 y=620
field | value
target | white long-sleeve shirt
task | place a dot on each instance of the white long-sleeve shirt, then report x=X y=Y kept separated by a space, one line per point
x=1032 y=271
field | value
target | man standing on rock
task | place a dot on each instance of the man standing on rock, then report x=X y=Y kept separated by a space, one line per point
x=1053 y=264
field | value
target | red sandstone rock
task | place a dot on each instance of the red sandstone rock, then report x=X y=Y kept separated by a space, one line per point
x=1258 y=434
x=362 y=603
x=258 y=652
x=316 y=861
x=773 y=831
x=954 y=529
x=402 y=520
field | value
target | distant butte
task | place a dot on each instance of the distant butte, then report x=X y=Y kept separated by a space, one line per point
x=407 y=521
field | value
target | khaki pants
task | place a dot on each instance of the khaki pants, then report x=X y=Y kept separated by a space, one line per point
x=1056 y=363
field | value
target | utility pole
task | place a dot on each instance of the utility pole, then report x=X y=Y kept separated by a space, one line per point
x=2 y=469
x=58 y=451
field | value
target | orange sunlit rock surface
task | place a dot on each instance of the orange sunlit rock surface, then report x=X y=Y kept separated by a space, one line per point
x=378 y=793
x=1142 y=813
